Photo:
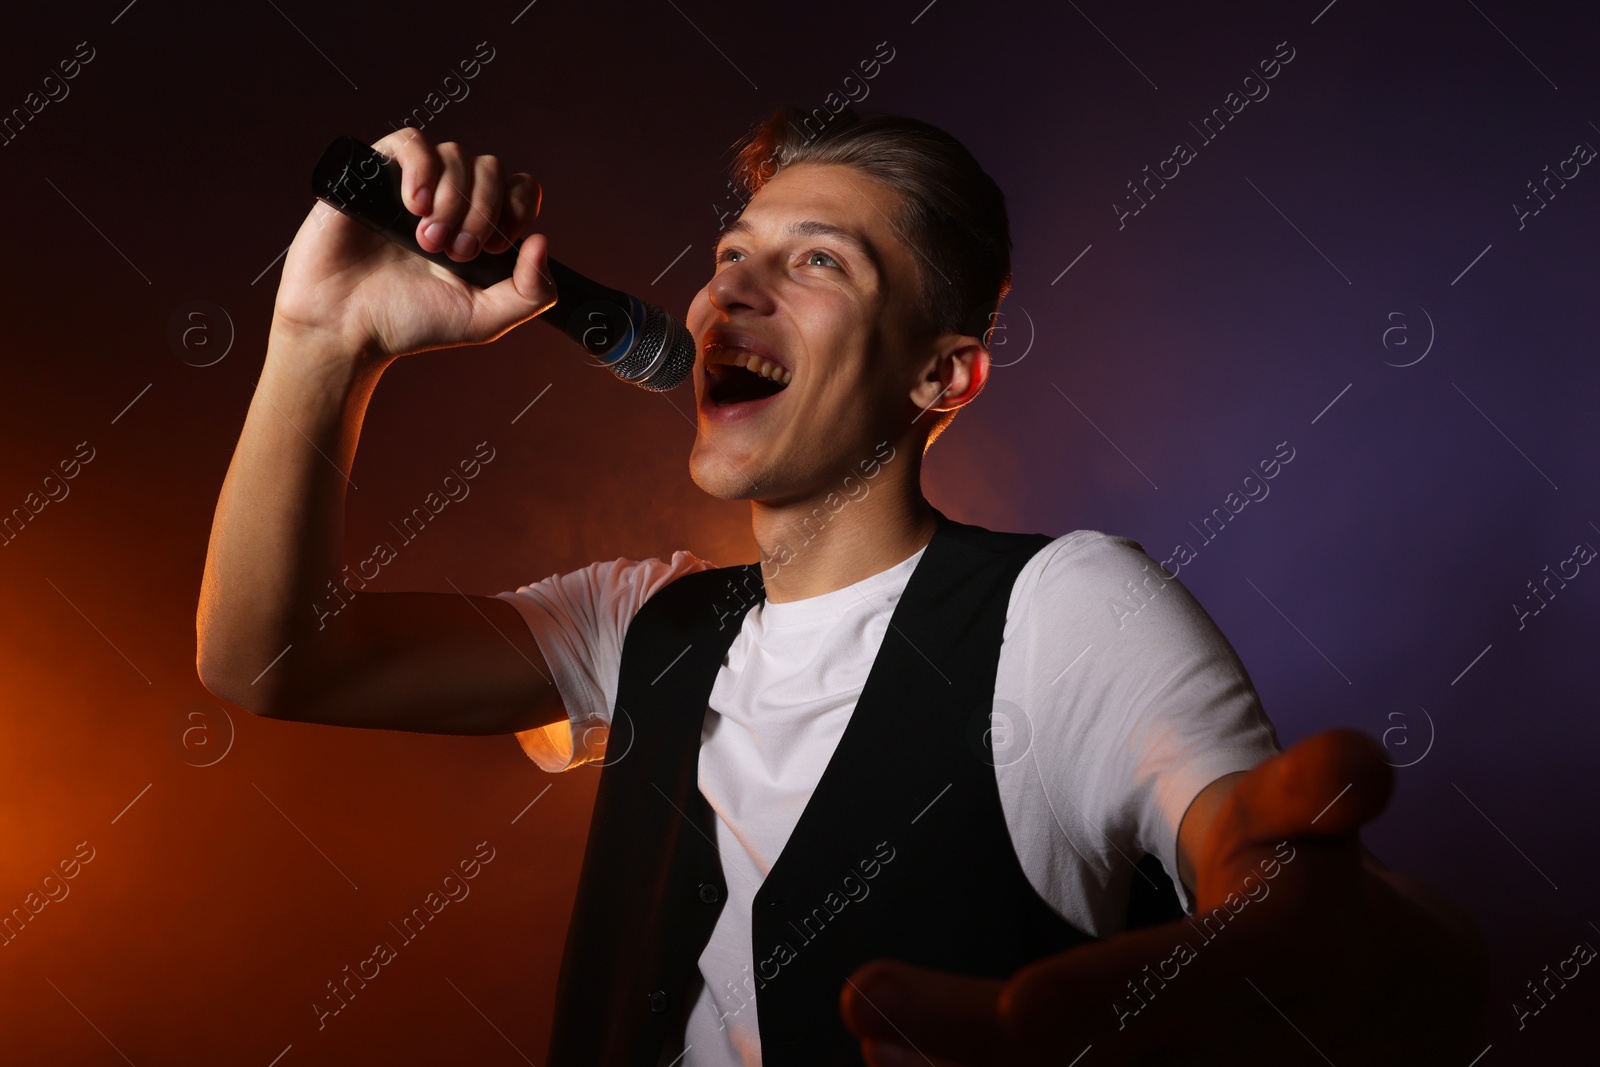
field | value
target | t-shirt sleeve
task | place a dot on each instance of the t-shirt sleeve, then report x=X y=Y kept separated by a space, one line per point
x=1156 y=702
x=579 y=620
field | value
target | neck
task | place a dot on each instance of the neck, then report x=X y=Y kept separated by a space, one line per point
x=838 y=537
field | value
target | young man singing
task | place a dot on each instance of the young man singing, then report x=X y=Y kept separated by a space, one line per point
x=879 y=796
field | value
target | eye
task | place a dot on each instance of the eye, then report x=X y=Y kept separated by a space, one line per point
x=724 y=254
x=815 y=252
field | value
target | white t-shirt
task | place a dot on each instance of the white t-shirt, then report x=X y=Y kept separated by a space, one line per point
x=1117 y=700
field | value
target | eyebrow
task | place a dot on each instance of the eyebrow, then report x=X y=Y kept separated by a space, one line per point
x=814 y=228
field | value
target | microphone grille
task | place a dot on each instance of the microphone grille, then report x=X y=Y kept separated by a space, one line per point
x=663 y=355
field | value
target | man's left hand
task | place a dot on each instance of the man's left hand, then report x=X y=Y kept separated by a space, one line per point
x=1300 y=950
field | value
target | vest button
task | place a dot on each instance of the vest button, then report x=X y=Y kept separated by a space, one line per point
x=658 y=1000
x=708 y=893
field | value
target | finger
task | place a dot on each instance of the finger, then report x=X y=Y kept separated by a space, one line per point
x=517 y=212
x=420 y=167
x=451 y=201
x=531 y=276
x=518 y=298
x=484 y=210
x=933 y=1013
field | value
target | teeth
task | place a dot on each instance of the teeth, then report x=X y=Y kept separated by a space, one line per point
x=752 y=362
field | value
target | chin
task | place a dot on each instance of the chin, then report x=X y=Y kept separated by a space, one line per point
x=717 y=478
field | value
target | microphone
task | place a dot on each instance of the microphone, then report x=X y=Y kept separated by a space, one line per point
x=640 y=342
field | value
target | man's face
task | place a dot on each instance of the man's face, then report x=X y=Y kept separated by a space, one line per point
x=814 y=280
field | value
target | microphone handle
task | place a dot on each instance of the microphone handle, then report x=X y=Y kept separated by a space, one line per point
x=359 y=181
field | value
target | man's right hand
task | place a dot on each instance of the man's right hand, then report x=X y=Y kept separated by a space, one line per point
x=363 y=294
x=280 y=629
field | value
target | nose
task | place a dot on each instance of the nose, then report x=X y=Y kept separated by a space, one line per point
x=740 y=285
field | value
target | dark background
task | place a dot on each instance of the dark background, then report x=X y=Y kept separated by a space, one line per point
x=1374 y=587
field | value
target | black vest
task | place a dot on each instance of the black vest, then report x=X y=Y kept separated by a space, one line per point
x=902 y=851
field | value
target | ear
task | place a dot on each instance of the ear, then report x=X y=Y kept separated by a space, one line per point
x=953 y=375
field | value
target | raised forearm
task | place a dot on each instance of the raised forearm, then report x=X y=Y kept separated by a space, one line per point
x=279 y=523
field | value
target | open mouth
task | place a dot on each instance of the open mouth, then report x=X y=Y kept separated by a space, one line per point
x=736 y=383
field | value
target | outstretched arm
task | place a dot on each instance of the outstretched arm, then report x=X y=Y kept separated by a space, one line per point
x=1300 y=940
